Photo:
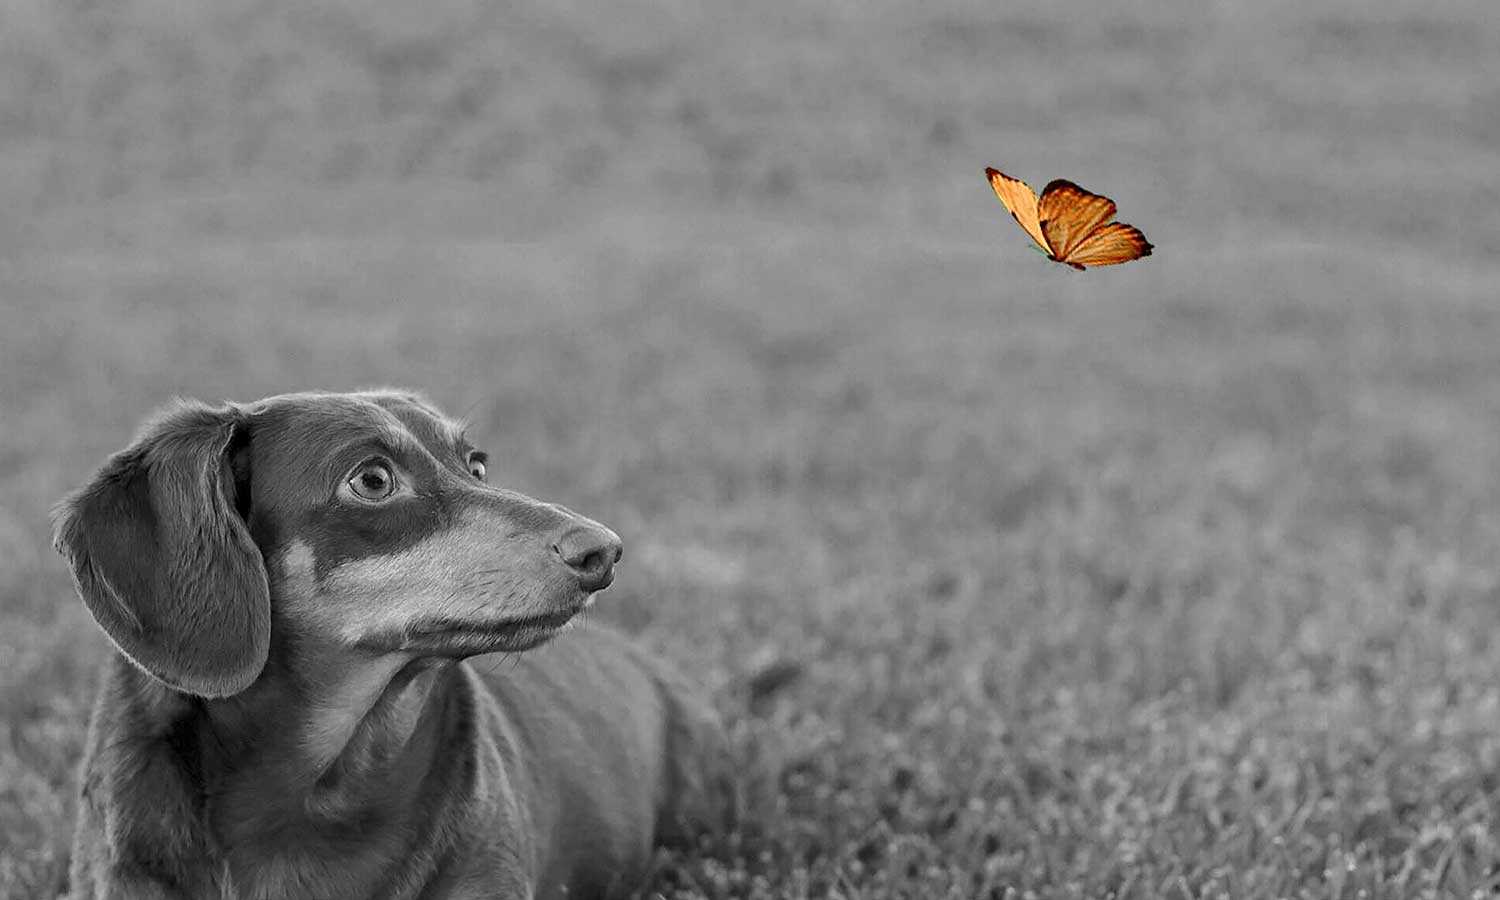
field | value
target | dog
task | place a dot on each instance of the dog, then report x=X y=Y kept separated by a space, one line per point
x=301 y=593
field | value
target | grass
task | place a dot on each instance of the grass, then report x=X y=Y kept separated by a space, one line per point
x=1174 y=580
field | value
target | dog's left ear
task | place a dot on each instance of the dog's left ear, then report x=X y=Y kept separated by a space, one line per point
x=163 y=558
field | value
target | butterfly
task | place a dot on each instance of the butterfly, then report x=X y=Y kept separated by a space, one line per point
x=1069 y=223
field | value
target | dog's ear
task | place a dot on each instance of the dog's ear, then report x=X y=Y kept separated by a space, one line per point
x=163 y=558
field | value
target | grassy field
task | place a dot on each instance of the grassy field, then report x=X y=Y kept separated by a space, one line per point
x=1174 y=580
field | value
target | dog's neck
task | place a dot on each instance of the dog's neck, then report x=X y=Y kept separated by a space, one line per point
x=250 y=778
x=321 y=728
x=323 y=748
x=323 y=720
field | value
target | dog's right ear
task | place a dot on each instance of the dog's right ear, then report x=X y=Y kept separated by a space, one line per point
x=163 y=558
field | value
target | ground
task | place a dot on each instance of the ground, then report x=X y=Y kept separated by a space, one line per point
x=1175 y=579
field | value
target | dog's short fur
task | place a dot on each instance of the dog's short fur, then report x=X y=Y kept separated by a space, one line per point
x=294 y=587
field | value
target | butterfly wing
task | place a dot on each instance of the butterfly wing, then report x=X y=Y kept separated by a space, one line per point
x=1069 y=214
x=1113 y=244
x=1020 y=199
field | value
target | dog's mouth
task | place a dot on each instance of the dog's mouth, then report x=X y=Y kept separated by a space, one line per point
x=469 y=637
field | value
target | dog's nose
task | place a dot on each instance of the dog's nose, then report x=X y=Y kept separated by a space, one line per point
x=591 y=551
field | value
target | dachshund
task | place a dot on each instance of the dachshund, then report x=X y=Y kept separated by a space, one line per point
x=340 y=670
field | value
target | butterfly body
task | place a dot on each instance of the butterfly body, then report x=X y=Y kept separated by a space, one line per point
x=1069 y=224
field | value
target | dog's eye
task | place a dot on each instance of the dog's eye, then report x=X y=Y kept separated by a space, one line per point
x=476 y=467
x=373 y=481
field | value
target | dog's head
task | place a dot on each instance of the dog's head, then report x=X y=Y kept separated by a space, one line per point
x=356 y=520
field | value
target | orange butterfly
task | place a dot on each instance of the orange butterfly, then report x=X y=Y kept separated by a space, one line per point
x=1068 y=223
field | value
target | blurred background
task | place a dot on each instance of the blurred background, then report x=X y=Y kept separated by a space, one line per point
x=1173 y=579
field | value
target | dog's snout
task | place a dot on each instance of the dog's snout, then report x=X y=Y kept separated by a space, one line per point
x=591 y=551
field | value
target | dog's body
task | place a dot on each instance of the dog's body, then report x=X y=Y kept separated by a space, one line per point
x=293 y=586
